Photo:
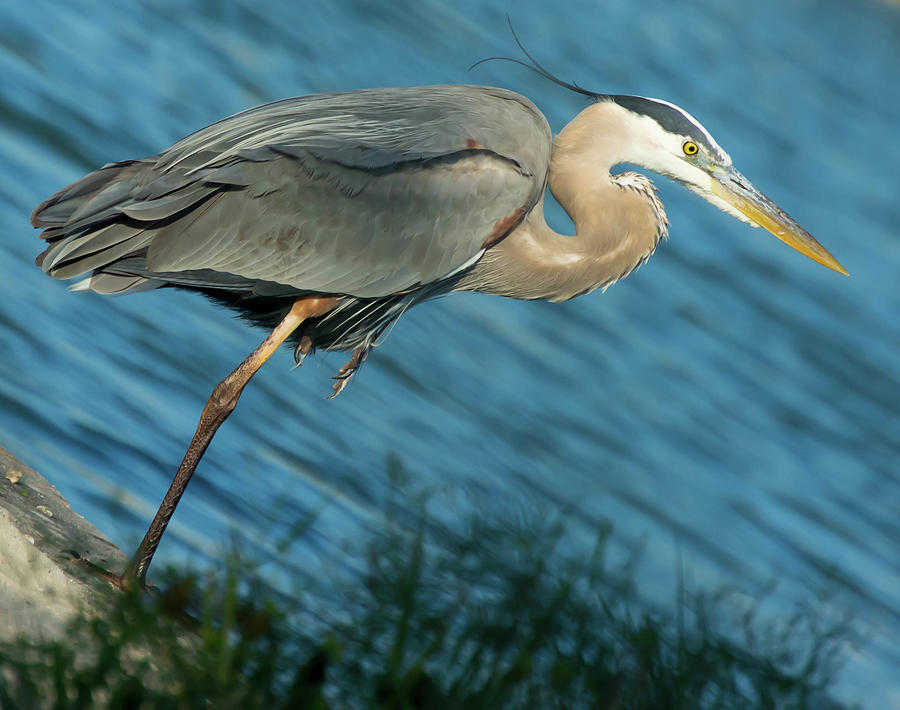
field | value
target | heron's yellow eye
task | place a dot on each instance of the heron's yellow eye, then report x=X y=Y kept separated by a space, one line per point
x=690 y=148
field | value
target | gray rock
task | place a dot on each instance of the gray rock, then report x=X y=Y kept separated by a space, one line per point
x=40 y=588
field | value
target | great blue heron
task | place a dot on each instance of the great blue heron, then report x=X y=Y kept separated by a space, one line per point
x=327 y=216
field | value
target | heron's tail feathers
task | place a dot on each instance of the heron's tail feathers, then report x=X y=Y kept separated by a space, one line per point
x=104 y=223
x=86 y=199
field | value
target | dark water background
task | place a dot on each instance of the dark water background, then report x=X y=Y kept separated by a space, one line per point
x=732 y=405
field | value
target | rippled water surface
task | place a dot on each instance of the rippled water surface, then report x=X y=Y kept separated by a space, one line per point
x=732 y=404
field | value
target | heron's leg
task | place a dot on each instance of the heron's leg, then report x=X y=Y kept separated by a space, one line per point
x=342 y=378
x=221 y=403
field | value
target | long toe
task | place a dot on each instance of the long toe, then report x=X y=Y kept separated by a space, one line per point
x=345 y=374
x=125 y=582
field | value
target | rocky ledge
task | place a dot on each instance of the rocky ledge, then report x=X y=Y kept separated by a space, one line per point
x=40 y=589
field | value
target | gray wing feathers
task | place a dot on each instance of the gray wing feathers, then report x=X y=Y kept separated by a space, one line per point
x=374 y=128
x=366 y=193
x=92 y=250
x=167 y=205
x=405 y=228
x=115 y=180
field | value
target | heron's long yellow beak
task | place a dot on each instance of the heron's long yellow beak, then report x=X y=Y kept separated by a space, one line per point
x=732 y=187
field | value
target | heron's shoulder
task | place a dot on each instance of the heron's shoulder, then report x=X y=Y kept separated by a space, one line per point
x=439 y=104
x=371 y=128
x=490 y=95
x=408 y=96
x=394 y=101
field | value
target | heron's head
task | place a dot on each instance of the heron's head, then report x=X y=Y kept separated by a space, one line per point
x=666 y=139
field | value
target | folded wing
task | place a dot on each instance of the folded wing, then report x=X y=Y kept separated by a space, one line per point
x=366 y=193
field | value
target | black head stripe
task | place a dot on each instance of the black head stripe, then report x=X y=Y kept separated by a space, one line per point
x=670 y=118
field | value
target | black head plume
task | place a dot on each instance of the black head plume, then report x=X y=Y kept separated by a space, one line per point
x=537 y=68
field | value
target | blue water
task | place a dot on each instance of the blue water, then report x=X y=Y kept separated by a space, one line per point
x=732 y=405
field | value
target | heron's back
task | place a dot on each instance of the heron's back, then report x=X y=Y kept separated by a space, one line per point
x=366 y=193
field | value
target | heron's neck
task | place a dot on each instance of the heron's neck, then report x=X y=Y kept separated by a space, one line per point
x=618 y=223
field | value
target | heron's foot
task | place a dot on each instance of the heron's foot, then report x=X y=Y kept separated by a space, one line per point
x=342 y=378
x=302 y=349
x=124 y=582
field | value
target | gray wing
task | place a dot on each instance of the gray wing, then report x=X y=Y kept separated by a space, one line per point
x=366 y=193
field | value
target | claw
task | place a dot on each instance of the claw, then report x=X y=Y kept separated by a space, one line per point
x=342 y=378
x=302 y=349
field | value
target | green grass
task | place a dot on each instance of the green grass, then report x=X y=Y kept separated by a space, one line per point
x=493 y=615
